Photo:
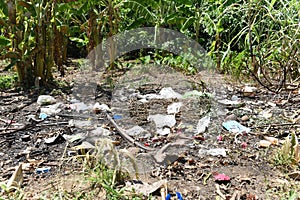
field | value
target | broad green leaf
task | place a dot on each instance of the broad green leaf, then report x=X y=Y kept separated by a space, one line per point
x=28 y=6
x=187 y=24
x=4 y=41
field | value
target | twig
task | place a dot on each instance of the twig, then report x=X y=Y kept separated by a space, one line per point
x=283 y=124
x=125 y=136
x=79 y=116
x=10 y=122
x=219 y=192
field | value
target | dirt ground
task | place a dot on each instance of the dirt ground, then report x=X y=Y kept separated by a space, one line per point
x=252 y=171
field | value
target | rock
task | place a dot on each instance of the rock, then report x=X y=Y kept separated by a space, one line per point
x=231 y=117
x=45 y=100
x=249 y=91
x=169 y=153
x=245 y=118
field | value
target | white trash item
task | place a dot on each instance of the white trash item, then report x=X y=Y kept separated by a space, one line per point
x=46 y=100
x=174 y=108
x=213 y=152
x=163 y=120
x=203 y=124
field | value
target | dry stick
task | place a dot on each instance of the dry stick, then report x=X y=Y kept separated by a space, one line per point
x=127 y=137
x=272 y=125
x=219 y=192
x=10 y=122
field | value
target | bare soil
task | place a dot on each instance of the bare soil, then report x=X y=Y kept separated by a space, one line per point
x=252 y=172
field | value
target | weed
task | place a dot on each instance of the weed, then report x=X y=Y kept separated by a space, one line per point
x=289 y=154
x=8 y=81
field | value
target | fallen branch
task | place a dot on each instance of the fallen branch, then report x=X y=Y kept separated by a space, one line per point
x=126 y=136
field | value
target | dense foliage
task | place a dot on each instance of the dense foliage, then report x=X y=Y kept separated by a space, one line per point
x=256 y=37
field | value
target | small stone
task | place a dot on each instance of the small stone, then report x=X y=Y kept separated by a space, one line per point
x=231 y=117
x=245 y=118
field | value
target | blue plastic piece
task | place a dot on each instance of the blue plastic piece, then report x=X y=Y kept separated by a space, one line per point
x=117 y=117
x=168 y=197
x=179 y=196
x=234 y=126
x=43 y=170
x=43 y=116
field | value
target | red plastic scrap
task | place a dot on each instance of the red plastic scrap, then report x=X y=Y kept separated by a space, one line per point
x=219 y=138
x=244 y=144
x=221 y=177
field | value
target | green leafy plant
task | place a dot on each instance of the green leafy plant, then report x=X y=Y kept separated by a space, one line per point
x=8 y=81
x=289 y=154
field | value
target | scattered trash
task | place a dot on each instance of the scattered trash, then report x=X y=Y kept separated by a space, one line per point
x=244 y=144
x=168 y=197
x=43 y=170
x=235 y=127
x=163 y=120
x=164 y=131
x=213 y=152
x=145 y=188
x=43 y=116
x=231 y=104
x=169 y=93
x=51 y=109
x=264 y=143
x=16 y=179
x=97 y=108
x=45 y=100
x=116 y=117
x=79 y=106
x=179 y=196
x=80 y=123
x=99 y=131
x=135 y=131
x=222 y=178
x=219 y=138
x=55 y=139
x=174 y=108
x=203 y=124
x=74 y=138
